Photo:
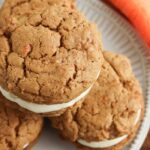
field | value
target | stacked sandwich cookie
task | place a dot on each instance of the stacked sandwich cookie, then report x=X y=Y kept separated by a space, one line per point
x=52 y=64
x=111 y=114
x=50 y=57
x=18 y=131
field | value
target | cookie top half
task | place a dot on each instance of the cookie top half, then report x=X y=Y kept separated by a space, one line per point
x=48 y=55
x=14 y=12
x=110 y=112
x=18 y=131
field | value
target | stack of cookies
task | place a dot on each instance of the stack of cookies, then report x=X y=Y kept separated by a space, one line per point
x=52 y=64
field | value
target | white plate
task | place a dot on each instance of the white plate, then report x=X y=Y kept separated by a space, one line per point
x=120 y=37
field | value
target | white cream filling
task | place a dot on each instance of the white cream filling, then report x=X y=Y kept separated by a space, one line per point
x=108 y=143
x=138 y=117
x=26 y=145
x=103 y=144
x=42 y=108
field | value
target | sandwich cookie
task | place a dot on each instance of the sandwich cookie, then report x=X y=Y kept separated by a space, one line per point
x=18 y=131
x=110 y=116
x=49 y=60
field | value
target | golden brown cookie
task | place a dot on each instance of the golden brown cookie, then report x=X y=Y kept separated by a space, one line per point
x=50 y=57
x=18 y=131
x=109 y=117
x=16 y=12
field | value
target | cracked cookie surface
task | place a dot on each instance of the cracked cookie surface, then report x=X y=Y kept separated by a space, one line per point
x=15 y=12
x=48 y=54
x=111 y=108
x=18 y=130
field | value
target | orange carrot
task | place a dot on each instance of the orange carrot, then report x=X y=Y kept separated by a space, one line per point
x=138 y=12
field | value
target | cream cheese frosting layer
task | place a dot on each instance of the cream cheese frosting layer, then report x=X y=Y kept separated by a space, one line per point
x=138 y=116
x=102 y=144
x=42 y=108
x=26 y=145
